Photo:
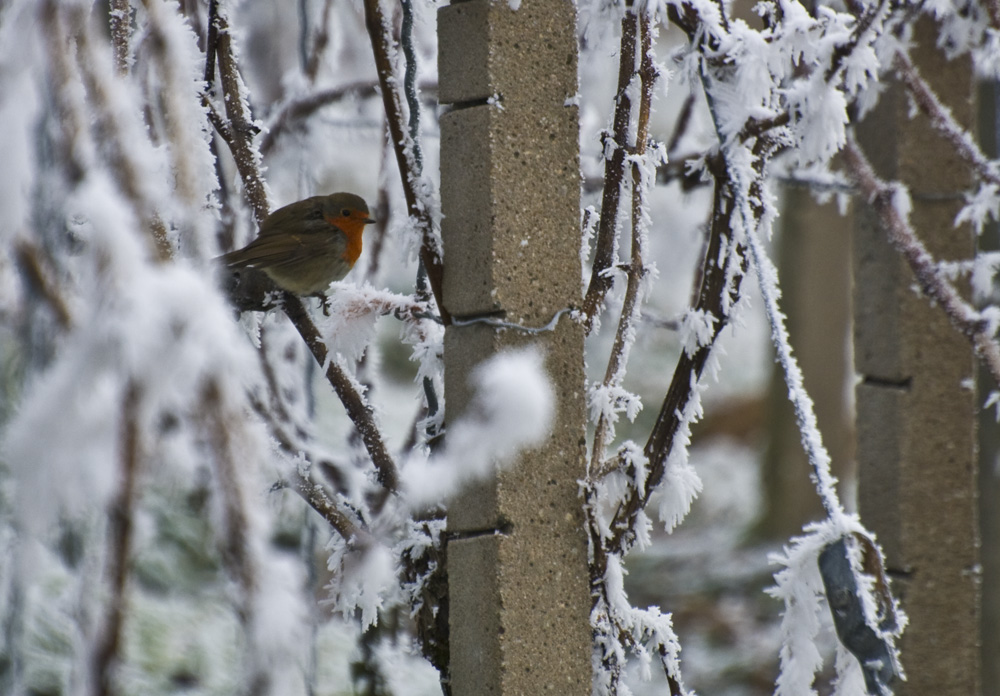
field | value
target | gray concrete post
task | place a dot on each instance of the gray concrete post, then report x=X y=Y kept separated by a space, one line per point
x=916 y=401
x=510 y=188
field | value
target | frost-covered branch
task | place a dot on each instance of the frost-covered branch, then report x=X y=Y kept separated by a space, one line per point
x=615 y=169
x=941 y=118
x=419 y=202
x=358 y=408
x=640 y=154
x=891 y=203
x=315 y=494
x=812 y=441
x=247 y=161
x=240 y=122
x=117 y=130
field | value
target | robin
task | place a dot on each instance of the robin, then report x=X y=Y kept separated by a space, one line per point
x=307 y=245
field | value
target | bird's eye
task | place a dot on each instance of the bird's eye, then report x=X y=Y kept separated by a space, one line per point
x=346 y=212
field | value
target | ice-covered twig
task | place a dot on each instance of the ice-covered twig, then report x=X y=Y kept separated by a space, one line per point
x=418 y=203
x=118 y=131
x=358 y=408
x=240 y=122
x=812 y=441
x=889 y=201
x=636 y=273
x=942 y=120
x=346 y=525
x=615 y=169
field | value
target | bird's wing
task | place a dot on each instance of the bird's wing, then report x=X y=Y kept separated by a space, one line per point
x=272 y=251
x=305 y=212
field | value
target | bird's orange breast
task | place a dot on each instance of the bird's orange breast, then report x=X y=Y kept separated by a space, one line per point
x=353 y=230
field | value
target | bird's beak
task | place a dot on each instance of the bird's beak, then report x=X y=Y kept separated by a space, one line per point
x=370 y=221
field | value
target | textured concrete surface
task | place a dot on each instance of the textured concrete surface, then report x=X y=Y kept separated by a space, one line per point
x=916 y=406
x=510 y=183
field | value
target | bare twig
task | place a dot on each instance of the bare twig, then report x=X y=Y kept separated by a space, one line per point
x=682 y=123
x=321 y=37
x=297 y=110
x=883 y=198
x=376 y=237
x=614 y=173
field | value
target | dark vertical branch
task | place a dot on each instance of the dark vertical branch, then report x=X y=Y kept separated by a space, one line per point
x=636 y=270
x=107 y=647
x=430 y=256
x=240 y=122
x=614 y=173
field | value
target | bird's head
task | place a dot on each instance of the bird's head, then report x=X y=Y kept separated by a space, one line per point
x=347 y=211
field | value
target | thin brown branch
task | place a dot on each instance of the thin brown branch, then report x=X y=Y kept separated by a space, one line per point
x=690 y=366
x=883 y=196
x=29 y=260
x=614 y=174
x=636 y=272
x=297 y=110
x=349 y=529
x=299 y=479
x=358 y=409
x=107 y=647
x=390 y=86
x=682 y=123
x=246 y=159
x=240 y=122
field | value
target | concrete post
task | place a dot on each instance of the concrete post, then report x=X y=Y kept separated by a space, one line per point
x=916 y=401
x=510 y=187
